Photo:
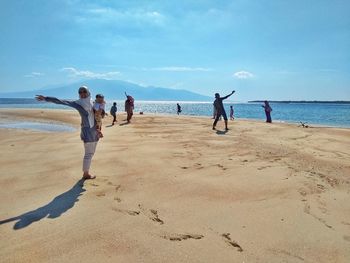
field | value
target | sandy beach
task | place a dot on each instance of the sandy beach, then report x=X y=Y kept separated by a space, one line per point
x=170 y=189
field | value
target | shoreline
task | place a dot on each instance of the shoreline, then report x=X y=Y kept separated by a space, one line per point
x=190 y=116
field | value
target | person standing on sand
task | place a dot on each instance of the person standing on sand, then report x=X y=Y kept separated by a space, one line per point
x=231 y=113
x=220 y=110
x=129 y=107
x=178 y=108
x=113 y=112
x=89 y=132
x=268 y=110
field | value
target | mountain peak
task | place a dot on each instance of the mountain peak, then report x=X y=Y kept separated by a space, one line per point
x=113 y=89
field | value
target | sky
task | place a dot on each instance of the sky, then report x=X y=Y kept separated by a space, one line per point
x=263 y=49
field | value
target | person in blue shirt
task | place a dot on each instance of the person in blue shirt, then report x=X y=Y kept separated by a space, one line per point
x=113 y=112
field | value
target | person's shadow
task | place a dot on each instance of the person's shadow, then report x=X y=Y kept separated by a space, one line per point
x=124 y=123
x=59 y=205
x=221 y=132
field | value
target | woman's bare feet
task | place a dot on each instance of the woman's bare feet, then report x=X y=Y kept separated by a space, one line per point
x=87 y=176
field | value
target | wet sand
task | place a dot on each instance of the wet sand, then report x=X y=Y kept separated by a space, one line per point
x=170 y=189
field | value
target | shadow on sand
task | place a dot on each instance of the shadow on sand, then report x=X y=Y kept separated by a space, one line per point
x=124 y=123
x=59 y=205
x=221 y=132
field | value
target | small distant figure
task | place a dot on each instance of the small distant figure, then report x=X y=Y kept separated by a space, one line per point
x=178 y=108
x=303 y=124
x=113 y=112
x=231 y=113
x=220 y=110
x=129 y=107
x=99 y=112
x=268 y=110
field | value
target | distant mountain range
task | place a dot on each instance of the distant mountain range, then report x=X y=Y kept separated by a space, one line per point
x=113 y=89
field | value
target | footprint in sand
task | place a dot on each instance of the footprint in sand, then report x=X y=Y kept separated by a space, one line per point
x=264 y=167
x=180 y=237
x=152 y=214
x=347 y=238
x=231 y=242
x=321 y=187
x=156 y=217
x=117 y=199
x=307 y=210
x=100 y=194
x=302 y=192
x=221 y=166
x=126 y=211
x=117 y=188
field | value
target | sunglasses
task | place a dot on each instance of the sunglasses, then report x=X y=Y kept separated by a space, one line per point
x=82 y=91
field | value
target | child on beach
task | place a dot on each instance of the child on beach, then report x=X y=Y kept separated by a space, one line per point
x=113 y=112
x=99 y=111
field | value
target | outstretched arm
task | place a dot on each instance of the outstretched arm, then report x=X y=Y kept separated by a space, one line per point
x=68 y=103
x=126 y=95
x=224 y=98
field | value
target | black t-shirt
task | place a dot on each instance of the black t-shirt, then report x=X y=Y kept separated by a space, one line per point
x=219 y=106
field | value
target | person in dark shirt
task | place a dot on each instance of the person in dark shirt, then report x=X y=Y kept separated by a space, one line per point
x=220 y=110
x=178 y=109
x=113 y=112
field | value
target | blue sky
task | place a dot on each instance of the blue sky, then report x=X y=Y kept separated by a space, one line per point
x=263 y=49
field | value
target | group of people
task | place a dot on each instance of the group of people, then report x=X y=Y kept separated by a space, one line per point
x=92 y=113
x=219 y=110
x=129 y=109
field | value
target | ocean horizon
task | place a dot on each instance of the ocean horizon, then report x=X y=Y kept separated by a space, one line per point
x=320 y=114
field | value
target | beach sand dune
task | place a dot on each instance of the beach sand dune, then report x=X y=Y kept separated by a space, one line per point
x=170 y=189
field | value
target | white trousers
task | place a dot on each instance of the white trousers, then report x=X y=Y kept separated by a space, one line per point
x=90 y=148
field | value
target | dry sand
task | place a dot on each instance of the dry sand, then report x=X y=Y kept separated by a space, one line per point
x=169 y=189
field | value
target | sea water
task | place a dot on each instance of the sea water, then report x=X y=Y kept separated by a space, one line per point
x=326 y=114
x=37 y=126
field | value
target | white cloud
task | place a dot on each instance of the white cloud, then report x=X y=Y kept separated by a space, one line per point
x=181 y=69
x=111 y=15
x=243 y=75
x=89 y=74
x=34 y=74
